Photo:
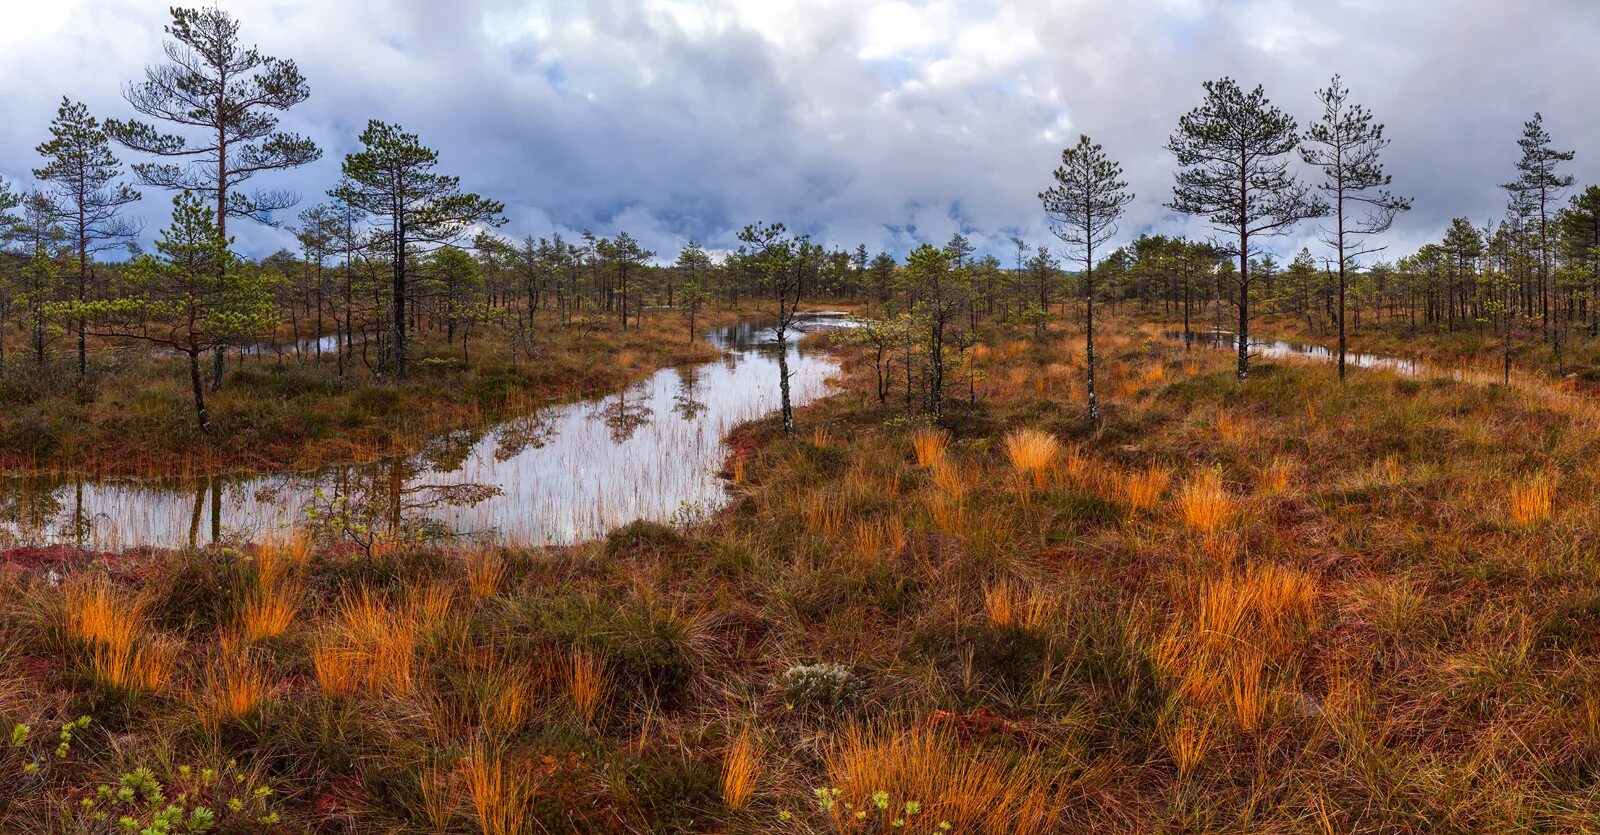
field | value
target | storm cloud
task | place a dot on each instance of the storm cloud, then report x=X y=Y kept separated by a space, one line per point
x=857 y=121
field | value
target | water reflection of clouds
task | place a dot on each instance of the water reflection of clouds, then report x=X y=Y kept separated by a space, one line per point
x=564 y=473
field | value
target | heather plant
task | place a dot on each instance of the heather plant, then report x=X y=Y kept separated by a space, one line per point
x=822 y=687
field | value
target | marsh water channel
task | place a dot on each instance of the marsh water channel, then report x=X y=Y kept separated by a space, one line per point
x=561 y=474
x=1280 y=349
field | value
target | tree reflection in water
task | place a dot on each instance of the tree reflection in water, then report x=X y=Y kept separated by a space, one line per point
x=624 y=418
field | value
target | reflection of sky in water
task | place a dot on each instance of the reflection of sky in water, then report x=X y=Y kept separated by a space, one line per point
x=566 y=473
x=1277 y=349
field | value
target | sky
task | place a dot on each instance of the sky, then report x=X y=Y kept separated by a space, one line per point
x=879 y=122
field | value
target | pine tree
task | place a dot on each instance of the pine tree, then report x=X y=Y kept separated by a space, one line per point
x=86 y=199
x=1344 y=145
x=1084 y=205
x=230 y=96
x=191 y=296
x=1233 y=169
x=1537 y=188
x=392 y=180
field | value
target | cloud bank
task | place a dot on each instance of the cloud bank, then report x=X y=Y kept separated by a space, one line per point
x=883 y=122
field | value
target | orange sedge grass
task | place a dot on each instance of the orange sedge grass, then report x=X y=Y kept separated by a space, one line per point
x=145 y=668
x=929 y=445
x=500 y=794
x=98 y=613
x=235 y=687
x=586 y=683
x=269 y=610
x=485 y=572
x=952 y=787
x=1006 y=604
x=1528 y=502
x=741 y=769
x=1204 y=504
x=1143 y=489
x=1032 y=452
x=1273 y=478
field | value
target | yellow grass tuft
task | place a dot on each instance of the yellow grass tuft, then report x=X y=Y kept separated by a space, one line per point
x=1229 y=428
x=146 y=668
x=1529 y=501
x=1273 y=478
x=485 y=572
x=276 y=557
x=875 y=539
x=1032 y=452
x=586 y=683
x=740 y=772
x=1188 y=741
x=235 y=686
x=950 y=516
x=97 y=613
x=1142 y=490
x=429 y=604
x=335 y=668
x=269 y=610
x=1006 y=604
x=824 y=514
x=951 y=478
x=1223 y=649
x=1393 y=470
x=371 y=646
x=503 y=691
x=501 y=794
x=1204 y=504
x=1154 y=374
x=438 y=797
x=929 y=445
x=953 y=788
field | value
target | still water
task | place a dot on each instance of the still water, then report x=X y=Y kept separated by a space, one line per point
x=1279 y=349
x=562 y=474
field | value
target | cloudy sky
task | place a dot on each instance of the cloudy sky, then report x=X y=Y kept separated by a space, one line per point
x=884 y=122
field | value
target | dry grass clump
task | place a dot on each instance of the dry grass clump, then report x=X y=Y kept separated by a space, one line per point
x=929 y=444
x=233 y=687
x=950 y=515
x=1394 y=470
x=1188 y=741
x=144 y=668
x=1154 y=374
x=951 y=478
x=1234 y=646
x=1529 y=501
x=501 y=793
x=1204 y=504
x=586 y=683
x=110 y=623
x=1229 y=428
x=741 y=769
x=1007 y=604
x=277 y=557
x=503 y=692
x=371 y=646
x=874 y=539
x=98 y=613
x=1143 y=490
x=485 y=572
x=1273 y=478
x=1032 y=453
x=269 y=609
x=951 y=787
x=824 y=514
